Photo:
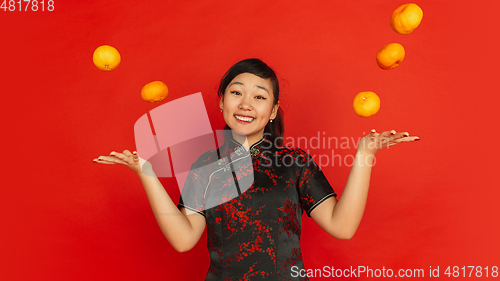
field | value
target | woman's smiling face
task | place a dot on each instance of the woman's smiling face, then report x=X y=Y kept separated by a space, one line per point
x=248 y=105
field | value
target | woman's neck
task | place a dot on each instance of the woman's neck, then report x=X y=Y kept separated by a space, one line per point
x=245 y=141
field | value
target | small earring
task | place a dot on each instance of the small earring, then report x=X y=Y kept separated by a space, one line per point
x=221 y=110
x=271 y=121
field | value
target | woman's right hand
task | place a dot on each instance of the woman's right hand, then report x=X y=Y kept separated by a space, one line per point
x=127 y=158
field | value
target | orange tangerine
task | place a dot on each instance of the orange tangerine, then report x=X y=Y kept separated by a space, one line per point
x=366 y=104
x=155 y=91
x=406 y=18
x=106 y=58
x=390 y=56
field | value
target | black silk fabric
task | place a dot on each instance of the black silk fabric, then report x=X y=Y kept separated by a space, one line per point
x=253 y=203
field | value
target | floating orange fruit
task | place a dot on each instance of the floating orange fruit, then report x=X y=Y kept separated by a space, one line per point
x=106 y=58
x=366 y=104
x=155 y=91
x=390 y=56
x=406 y=18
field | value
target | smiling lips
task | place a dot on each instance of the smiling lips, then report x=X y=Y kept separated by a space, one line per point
x=244 y=119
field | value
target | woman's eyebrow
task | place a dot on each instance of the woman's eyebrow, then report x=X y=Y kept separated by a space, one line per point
x=236 y=82
x=263 y=88
x=240 y=83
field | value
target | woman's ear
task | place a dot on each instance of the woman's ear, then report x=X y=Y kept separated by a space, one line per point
x=221 y=104
x=275 y=110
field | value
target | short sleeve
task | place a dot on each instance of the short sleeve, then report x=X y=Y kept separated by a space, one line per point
x=313 y=187
x=192 y=195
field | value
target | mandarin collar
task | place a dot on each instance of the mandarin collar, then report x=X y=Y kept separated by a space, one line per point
x=239 y=149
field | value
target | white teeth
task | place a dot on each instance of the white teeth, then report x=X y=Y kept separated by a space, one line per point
x=248 y=119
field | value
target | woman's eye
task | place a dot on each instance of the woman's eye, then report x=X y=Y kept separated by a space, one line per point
x=235 y=93
x=260 y=97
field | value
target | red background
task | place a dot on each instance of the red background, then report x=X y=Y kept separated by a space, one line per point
x=431 y=203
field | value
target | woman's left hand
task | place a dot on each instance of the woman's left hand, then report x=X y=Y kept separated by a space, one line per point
x=374 y=141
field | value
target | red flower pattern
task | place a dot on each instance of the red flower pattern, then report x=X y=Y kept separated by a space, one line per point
x=256 y=234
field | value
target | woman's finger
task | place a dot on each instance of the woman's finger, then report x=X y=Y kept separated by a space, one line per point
x=383 y=139
x=119 y=156
x=401 y=135
x=110 y=160
x=387 y=134
x=403 y=139
x=373 y=134
x=126 y=158
x=129 y=155
x=396 y=141
x=407 y=138
x=100 y=161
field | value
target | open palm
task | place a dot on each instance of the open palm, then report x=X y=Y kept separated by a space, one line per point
x=374 y=141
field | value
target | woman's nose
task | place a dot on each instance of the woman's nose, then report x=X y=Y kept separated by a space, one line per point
x=245 y=104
